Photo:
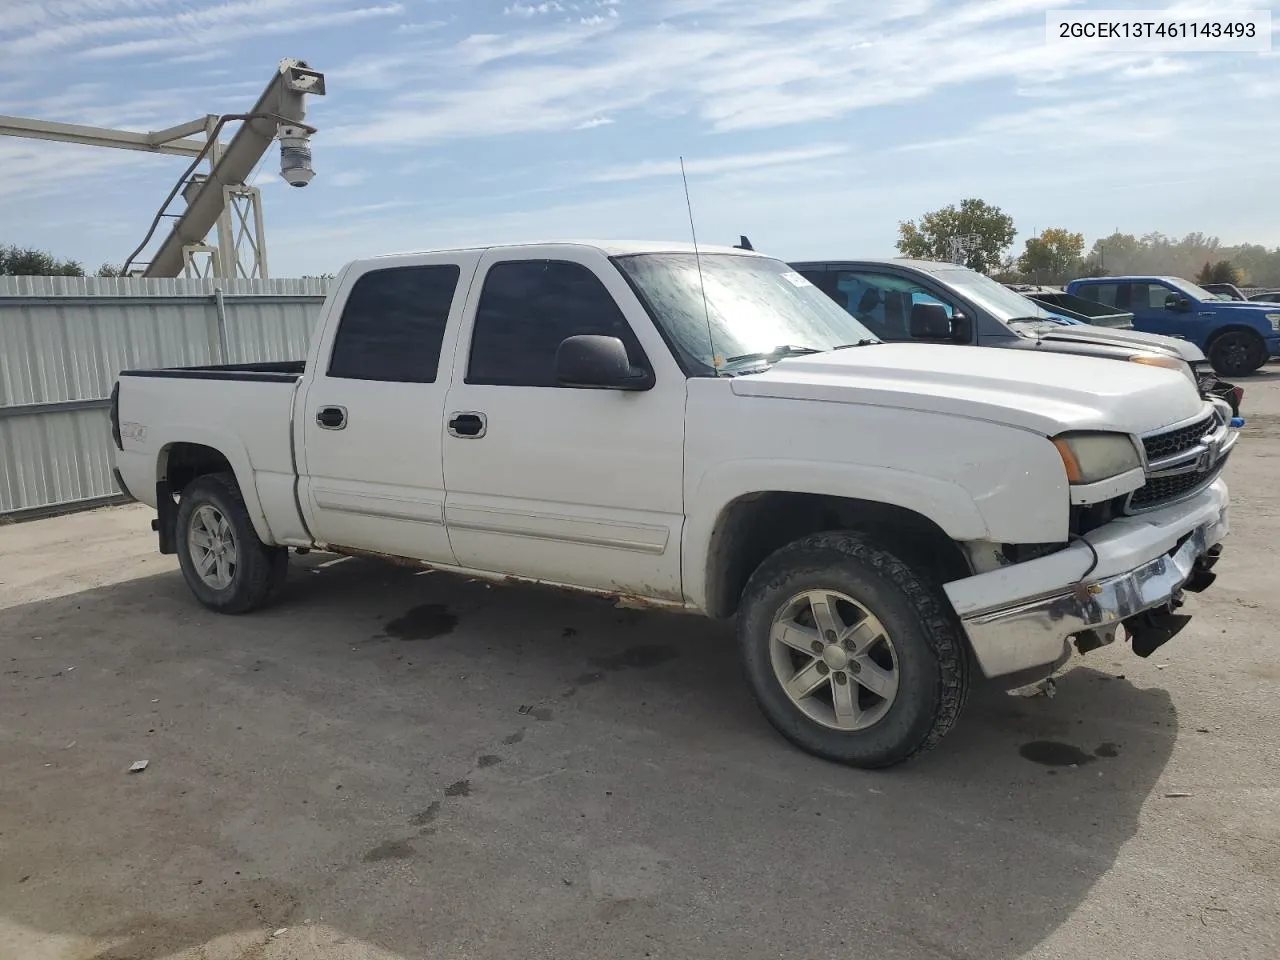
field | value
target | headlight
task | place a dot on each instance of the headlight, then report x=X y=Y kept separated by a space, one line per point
x=1275 y=320
x=1090 y=457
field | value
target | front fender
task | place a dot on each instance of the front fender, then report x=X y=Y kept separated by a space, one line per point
x=231 y=447
x=947 y=504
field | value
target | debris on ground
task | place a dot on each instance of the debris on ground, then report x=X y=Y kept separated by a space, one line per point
x=281 y=932
x=1175 y=794
x=138 y=766
x=1043 y=688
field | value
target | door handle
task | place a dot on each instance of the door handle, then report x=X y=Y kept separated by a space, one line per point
x=331 y=418
x=468 y=425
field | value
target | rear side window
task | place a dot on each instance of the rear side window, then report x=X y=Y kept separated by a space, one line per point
x=393 y=324
x=1100 y=292
x=527 y=308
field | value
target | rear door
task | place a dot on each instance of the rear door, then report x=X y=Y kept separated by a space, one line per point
x=373 y=476
x=575 y=486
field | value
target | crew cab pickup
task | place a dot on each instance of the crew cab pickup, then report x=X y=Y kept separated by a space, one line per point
x=1237 y=337
x=705 y=431
x=905 y=299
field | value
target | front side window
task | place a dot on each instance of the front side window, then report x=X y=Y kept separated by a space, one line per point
x=393 y=323
x=883 y=302
x=724 y=311
x=527 y=309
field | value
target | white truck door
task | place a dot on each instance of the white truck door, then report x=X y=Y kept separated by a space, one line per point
x=574 y=486
x=372 y=415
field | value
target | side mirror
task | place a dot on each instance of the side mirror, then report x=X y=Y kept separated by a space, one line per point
x=930 y=321
x=1176 y=303
x=596 y=361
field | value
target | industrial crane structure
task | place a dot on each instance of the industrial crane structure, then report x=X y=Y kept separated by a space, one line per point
x=219 y=202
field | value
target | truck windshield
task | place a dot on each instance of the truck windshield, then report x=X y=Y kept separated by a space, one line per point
x=995 y=298
x=755 y=309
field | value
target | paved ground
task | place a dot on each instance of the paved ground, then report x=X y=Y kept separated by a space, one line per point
x=395 y=764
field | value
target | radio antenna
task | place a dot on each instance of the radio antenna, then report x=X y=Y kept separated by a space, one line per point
x=697 y=259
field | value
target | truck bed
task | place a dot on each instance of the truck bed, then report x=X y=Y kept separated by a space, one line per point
x=243 y=411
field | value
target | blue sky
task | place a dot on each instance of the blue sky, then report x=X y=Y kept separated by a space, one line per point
x=813 y=126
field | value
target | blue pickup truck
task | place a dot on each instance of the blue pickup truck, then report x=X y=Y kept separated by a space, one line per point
x=1237 y=337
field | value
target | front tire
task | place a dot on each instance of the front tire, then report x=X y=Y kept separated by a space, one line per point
x=226 y=565
x=1237 y=353
x=851 y=655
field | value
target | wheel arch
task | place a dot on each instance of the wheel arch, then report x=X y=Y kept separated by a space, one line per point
x=752 y=526
x=199 y=453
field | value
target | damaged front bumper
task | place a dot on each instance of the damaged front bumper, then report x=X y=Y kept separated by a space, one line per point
x=1022 y=617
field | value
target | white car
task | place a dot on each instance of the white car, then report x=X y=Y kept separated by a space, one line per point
x=708 y=432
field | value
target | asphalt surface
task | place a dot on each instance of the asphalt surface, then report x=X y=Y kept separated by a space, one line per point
x=395 y=764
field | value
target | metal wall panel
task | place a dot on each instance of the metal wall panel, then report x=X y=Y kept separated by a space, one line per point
x=64 y=340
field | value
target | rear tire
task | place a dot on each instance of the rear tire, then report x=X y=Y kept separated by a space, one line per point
x=1237 y=353
x=226 y=565
x=851 y=655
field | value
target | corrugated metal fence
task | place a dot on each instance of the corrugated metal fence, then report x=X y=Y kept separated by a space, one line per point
x=63 y=340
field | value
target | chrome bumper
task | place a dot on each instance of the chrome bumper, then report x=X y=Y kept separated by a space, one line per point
x=1034 y=632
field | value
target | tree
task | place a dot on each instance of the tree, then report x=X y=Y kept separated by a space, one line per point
x=1055 y=256
x=931 y=238
x=1220 y=272
x=109 y=270
x=20 y=262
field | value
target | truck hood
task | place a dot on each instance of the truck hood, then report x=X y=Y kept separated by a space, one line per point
x=1255 y=309
x=1114 y=337
x=1046 y=393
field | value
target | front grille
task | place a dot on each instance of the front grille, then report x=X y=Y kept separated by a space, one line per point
x=1161 y=490
x=1177 y=441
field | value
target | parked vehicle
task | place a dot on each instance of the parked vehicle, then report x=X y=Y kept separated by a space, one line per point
x=1237 y=337
x=981 y=312
x=703 y=431
x=1224 y=291
x=1267 y=296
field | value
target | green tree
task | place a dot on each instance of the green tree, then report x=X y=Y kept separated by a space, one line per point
x=22 y=262
x=1220 y=272
x=109 y=270
x=1056 y=256
x=931 y=238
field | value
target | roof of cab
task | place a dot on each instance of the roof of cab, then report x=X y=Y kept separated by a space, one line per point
x=926 y=266
x=611 y=248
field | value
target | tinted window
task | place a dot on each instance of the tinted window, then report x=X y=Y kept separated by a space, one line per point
x=1100 y=292
x=1148 y=296
x=527 y=308
x=393 y=324
x=882 y=302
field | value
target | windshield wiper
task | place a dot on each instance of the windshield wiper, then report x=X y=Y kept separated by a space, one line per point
x=860 y=343
x=777 y=353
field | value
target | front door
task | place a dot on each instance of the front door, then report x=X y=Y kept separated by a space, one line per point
x=371 y=452
x=577 y=486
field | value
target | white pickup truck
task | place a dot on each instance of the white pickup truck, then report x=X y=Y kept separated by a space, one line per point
x=709 y=432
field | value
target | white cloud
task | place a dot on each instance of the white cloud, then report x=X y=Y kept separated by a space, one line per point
x=594 y=122
x=716 y=165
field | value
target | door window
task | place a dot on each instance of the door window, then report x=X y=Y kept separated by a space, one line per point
x=1148 y=296
x=393 y=324
x=882 y=302
x=527 y=308
x=1101 y=293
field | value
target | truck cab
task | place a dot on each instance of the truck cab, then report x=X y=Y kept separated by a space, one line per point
x=1238 y=337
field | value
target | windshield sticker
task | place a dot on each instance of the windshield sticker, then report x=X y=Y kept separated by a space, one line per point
x=795 y=279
